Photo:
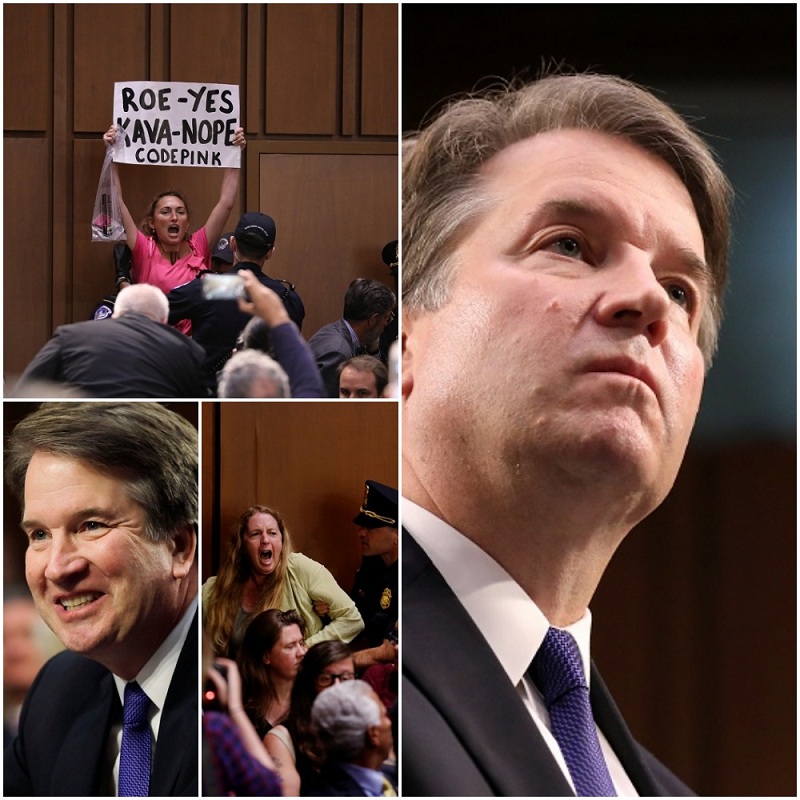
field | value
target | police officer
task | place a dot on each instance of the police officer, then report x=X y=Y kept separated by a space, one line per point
x=375 y=586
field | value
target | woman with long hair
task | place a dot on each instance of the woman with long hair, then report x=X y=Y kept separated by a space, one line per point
x=293 y=745
x=269 y=660
x=262 y=571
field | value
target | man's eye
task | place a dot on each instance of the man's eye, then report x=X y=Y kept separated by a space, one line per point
x=37 y=536
x=679 y=294
x=94 y=525
x=567 y=246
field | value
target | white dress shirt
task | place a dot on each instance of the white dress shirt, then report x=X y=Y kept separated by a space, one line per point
x=154 y=678
x=489 y=593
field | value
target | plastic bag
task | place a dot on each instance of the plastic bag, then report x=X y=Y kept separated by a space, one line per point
x=107 y=223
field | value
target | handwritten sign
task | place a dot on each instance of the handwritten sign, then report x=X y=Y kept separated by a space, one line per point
x=177 y=123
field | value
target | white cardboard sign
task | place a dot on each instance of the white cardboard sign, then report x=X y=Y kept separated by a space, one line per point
x=176 y=123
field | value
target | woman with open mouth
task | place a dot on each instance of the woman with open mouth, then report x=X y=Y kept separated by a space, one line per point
x=261 y=571
x=163 y=251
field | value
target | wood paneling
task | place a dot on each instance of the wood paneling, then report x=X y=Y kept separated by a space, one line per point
x=379 y=70
x=308 y=460
x=334 y=214
x=302 y=74
x=27 y=82
x=27 y=254
x=110 y=45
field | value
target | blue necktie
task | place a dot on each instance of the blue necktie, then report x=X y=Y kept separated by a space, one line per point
x=134 y=756
x=557 y=671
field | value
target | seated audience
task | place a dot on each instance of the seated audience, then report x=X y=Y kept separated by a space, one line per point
x=355 y=733
x=293 y=745
x=269 y=659
x=362 y=377
x=261 y=571
x=272 y=332
x=367 y=311
x=235 y=762
x=251 y=373
x=132 y=354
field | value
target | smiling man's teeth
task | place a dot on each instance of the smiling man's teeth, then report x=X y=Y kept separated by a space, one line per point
x=71 y=603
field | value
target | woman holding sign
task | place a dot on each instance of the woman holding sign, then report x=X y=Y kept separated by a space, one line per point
x=164 y=252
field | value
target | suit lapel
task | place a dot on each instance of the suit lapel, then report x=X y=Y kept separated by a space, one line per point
x=610 y=721
x=83 y=767
x=446 y=656
x=175 y=764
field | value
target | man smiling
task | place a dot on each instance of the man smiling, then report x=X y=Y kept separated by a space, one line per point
x=564 y=258
x=109 y=497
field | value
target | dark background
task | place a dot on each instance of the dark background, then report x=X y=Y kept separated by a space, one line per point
x=695 y=620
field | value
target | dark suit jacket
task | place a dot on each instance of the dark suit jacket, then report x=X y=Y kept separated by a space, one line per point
x=465 y=729
x=333 y=781
x=131 y=356
x=332 y=344
x=62 y=746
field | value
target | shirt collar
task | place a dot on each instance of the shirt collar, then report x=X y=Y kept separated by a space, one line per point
x=489 y=594
x=156 y=675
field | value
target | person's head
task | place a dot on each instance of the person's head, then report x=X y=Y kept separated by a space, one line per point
x=142 y=298
x=368 y=307
x=362 y=376
x=109 y=498
x=376 y=521
x=352 y=724
x=445 y=187
x=274 y=643
x=325 y=664
x=27 y=643
x=254 y=238
x=251 y=373
x=565 y=255
x=256 y=335
x=222 y=255
x=167 y=218
x=262 y=545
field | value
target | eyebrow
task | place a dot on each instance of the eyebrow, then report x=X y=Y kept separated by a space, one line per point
x=696 y=267
x=85 y=513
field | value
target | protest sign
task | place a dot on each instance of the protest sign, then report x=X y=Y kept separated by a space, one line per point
x=176 y=123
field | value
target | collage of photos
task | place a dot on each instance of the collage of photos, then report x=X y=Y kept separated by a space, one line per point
x=550 y=252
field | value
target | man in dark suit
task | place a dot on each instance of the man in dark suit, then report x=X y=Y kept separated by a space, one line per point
x=217 y=322
x=109 y=499
x=356 y=736
x=367 y=311
x=565 y=254
x=133 y=354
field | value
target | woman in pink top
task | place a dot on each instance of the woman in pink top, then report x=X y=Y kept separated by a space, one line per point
x=164 y=253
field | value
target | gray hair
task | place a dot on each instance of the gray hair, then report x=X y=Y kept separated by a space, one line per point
x=151 y=449
x=341 y=716
x=142 y=298
x=251 y=373
x=444 y=190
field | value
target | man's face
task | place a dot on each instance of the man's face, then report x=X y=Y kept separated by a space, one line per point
x=569 y=339
x=382 y=732
x=22 y=656
x=378 y=541
x=105 y=589
x=354 y=384
x=263 y=542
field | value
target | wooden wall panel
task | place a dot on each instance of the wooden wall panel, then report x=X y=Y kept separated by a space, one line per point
x=334 y=214
x=100 y=60
x=206 y=43
x=309 y=460
x=27 y=254
x=379 y=70
x=27 y=66
x=209 y=499
x=302 y=59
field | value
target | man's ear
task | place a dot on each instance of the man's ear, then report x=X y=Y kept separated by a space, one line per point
x=373 y=735
x=184 y=549
x=407 y=351
x=270 y=253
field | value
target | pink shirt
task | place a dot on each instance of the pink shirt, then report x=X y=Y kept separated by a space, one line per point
x=149 y=265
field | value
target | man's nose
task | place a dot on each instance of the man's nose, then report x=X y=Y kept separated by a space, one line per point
x=65 y=560
x=633 y=298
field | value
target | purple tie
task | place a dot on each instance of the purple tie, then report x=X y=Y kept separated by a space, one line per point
x=557 y=671
x=134 y=756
